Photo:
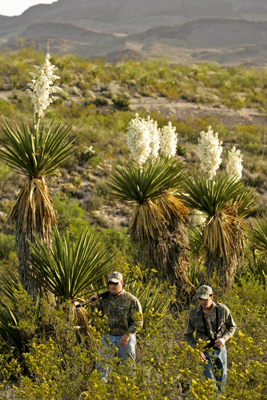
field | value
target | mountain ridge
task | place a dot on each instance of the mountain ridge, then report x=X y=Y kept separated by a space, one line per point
x=142 y=14
x=92 y=28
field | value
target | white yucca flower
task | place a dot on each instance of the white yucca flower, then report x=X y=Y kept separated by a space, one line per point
x=234 y=166
x=41 y=87
x=198 y=217
x=168 y=140
x=152 y=126
x=138 y=140
x=209 y=152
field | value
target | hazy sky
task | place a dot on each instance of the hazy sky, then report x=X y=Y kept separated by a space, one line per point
x=16 y=7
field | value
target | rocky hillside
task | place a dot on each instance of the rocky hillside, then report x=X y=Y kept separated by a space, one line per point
x=226 y=31
x=101 y=98
x=129 y=17
x=215 y=39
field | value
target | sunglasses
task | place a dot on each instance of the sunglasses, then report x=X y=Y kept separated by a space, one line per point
x=113 y=283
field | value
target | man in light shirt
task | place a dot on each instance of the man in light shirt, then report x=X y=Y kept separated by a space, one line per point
x=212 y=322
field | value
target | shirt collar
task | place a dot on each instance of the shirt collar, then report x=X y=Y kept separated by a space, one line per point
x=115 y=295
x=199 y=309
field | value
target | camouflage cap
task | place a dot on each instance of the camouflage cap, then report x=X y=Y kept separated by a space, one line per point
x=115 y=277
x=203 y=292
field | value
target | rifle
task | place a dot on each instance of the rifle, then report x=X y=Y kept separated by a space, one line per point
x=103 y=295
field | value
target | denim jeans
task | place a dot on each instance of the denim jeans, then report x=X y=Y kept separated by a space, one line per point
x=126 y=353
x=215 y=367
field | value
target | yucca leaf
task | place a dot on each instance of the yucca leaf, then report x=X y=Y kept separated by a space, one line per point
x=138 y=185
x=36 y=154
x=257 y=235
x=210 y=196
x=67 y=270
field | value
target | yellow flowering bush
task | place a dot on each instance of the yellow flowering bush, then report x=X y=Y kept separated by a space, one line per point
x=61 y=364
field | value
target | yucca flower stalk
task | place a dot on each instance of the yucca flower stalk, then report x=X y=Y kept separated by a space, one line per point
x=226 y=203
x=35 y=152
x=41 y=88
x=159 y=219
x=234 y=166
x=138 y=140
x=209 y=152
x=168 y=140
x=152 y=126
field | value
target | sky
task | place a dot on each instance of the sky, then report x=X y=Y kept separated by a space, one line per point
x=16 y=7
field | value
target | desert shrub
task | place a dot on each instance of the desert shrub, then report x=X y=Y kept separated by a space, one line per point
x=101 y=187
x=61 y=362
x=5 y=174
x=121 y=100
x=94 y=203
x=101 y=101
x=255 y=181
x=181 y=150
x=7 y=243
x=84 y=153
x=69 y=214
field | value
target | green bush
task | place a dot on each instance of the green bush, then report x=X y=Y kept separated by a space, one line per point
x=181 y=150
x=121 y=100
x=101 y=101
x=61 y=364
x=69 y=214
x=7 y=243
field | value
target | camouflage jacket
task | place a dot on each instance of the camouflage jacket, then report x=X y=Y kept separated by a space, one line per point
x=124 y=313
x=226 y=324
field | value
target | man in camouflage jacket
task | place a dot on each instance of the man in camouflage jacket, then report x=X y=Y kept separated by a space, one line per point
x=211 y=322
x=124 y=314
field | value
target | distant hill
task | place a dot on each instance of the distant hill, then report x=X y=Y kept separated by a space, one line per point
x=232 y=30
x=131 y=16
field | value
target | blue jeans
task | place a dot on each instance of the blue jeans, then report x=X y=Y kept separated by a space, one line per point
x=126 y=353
x=215 y=367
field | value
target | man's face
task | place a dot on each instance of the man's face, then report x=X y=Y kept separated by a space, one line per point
x=115 y=288
x=206 y=303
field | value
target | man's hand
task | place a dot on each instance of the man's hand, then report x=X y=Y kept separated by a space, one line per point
x=124 y=340
x=202 y=356
x=93 y=303
x=219 y=343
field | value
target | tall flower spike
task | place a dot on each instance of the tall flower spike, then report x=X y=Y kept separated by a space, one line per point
x=138 y=140
x=41 y=87
x=168 y=140
x=209 y=152
x=234 y=166
x=152 y=126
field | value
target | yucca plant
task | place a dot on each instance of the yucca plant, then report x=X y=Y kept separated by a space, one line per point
x=258 y=270
x=159 y=219
x=35 y=155
x=155 y=302
x=257 y=236
x=226 y=203
x=69 y=271
x=35 y=152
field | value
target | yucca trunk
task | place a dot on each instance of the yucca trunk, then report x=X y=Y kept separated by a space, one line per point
x=224 y=270
x=223 y=238
x=160 y=229
x=33 y=212
x=171 y=256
